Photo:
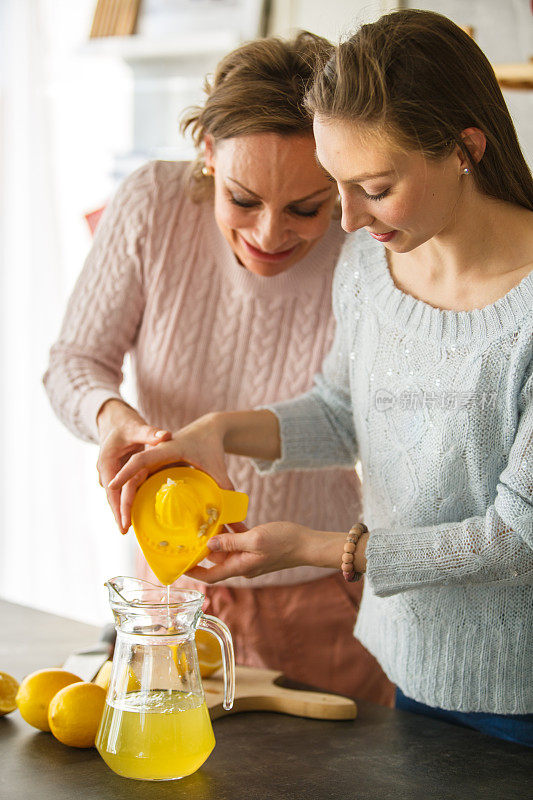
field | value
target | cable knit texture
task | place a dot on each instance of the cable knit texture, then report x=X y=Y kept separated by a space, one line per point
x=438 y=406
x=205 y=335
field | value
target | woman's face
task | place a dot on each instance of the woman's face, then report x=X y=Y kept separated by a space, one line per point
x=401 y=199
x=273 y=202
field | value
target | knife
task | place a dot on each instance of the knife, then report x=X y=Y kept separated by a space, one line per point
x=87 y=663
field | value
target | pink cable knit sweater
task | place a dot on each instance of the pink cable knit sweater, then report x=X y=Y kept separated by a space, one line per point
x=205 y=335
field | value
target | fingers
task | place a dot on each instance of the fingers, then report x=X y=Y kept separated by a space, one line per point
x=113 y=498
x=214 y=574
x=237 y=527
x=126 y=498
x=216 y=468
x=202 y=574
x=147 y=434
x=106 y=471
x=113 y=455
x=116 y=449
x=248 y=565
x=220 y=475
x=148 y=460
x=216 y=558
x=120 y=446
x=222 y=542
x=232 y=543
x=166 y=453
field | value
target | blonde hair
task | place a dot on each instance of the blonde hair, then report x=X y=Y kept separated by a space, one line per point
x=423 y=81
x=258 y=88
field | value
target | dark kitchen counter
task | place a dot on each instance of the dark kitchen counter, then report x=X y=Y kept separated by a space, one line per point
x=382 y=755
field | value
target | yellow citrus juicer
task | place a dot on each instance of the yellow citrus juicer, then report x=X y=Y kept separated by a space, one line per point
x=174 y=514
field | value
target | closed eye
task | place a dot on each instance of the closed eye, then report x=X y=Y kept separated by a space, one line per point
x=244 y=203
x=376 y=196
x=293 y=209
x=300 y=213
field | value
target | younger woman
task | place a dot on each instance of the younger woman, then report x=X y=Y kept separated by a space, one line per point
x=429 y=382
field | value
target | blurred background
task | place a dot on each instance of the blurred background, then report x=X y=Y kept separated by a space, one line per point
x=87 y=93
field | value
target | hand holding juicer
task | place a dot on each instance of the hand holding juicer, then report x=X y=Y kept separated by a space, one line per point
x=174 y=514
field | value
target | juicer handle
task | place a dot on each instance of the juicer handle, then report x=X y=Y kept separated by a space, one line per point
x=222 y=633
x=234 y=506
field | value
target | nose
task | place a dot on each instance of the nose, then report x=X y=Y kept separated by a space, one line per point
x=269 y=231
x=354 y=215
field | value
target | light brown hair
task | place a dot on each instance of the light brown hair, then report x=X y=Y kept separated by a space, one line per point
x=257 y=88
x=423 y=80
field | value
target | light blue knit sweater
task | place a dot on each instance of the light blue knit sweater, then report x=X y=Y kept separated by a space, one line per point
x=438 y=407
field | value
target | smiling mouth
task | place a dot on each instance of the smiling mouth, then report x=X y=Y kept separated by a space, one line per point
x=382 y=237
x=262 y=255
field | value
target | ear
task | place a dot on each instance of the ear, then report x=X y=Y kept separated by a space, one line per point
x=209 y=151
x=475 y=142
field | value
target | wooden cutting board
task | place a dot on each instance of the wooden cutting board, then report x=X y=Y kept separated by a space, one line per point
x=256 y=690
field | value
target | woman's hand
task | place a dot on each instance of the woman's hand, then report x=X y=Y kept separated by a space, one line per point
x=201 y=444
x=123 y=432
x=265 y=548
x=275 y=546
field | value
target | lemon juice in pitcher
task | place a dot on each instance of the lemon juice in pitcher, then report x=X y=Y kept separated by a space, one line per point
x=157 y=735
x=156 y=724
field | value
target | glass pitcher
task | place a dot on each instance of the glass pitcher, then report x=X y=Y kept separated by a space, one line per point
x=155 y=724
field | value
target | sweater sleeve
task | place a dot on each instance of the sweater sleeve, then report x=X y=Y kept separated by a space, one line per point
x=496 y=548
x=317 y=429
x=104 y=310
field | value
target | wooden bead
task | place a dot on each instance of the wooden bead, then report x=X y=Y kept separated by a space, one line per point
x=358 y=529
x=348 y=556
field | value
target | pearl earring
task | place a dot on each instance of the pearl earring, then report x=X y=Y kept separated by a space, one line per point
x=206 y=171
x=466 y=171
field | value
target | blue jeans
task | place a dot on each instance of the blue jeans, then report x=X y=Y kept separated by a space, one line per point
x=512 y=727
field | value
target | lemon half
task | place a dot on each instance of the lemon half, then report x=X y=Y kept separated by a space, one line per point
x=209 y=654
x=8 y=692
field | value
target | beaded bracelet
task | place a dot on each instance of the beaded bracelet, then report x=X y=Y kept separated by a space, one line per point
x=350 y=545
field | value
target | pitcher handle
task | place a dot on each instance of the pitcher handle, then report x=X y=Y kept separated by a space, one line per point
x=222 y=633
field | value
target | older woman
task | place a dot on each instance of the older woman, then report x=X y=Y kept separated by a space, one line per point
x=216 y=277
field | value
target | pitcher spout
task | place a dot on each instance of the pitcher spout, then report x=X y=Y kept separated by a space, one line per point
x=131 y=591
x=142 y=607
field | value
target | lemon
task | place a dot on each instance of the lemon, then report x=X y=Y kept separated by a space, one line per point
x=209 y=655
x=75 y=713
x=37 y=690
x=104 y=676
x=8 y=691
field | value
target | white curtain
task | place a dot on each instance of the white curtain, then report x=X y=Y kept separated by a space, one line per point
x=58 y=543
